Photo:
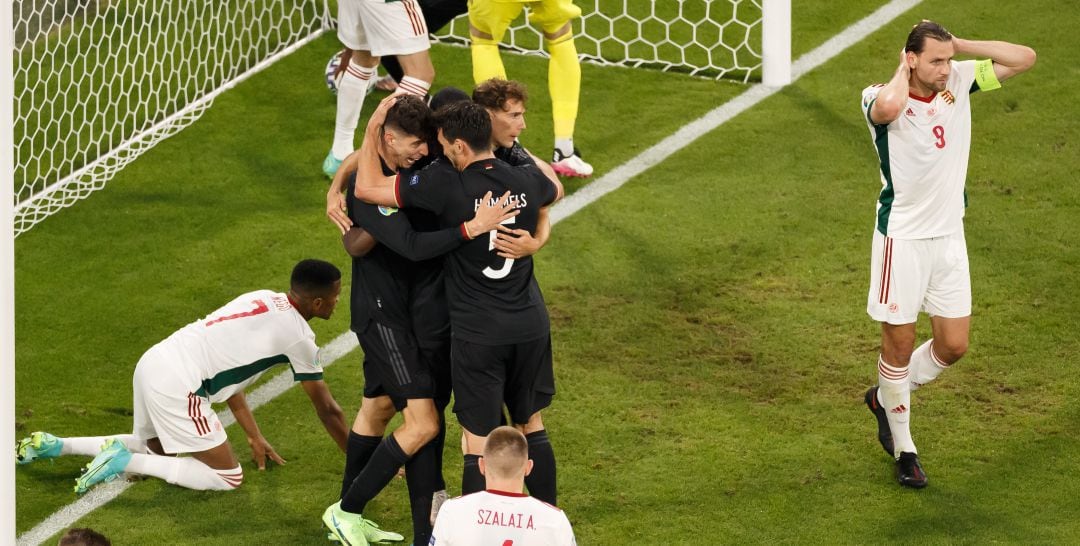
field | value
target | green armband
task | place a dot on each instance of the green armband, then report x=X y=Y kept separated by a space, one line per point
x=984 y=75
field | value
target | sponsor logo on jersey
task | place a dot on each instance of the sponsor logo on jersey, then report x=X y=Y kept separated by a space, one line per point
x=931 y=112
x=414 y=180
x=909 y=113
x=387 y=211
x=948 y=97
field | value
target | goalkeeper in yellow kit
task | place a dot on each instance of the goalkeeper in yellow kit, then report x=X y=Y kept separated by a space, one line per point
x=488 y=21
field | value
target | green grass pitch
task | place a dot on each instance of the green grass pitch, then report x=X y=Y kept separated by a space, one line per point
x=709 y=330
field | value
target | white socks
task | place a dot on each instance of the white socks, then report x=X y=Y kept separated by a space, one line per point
x=350 y=100
x=925 y=366
x=186 y=472
x=91 y=445
x=565 y=146
x=894 y=394
x=413 y=86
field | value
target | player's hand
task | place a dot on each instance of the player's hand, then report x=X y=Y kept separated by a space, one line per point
x=378 y=117
x=489 y=215
x=336 y=211
x=515 y=244
x=261 y=450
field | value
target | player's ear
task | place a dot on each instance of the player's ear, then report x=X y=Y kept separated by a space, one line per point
x=528 y=466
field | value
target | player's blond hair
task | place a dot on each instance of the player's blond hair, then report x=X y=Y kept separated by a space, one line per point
x=505 y=452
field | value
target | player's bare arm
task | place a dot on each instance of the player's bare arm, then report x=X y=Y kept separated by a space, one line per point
x=358 y=242
x=515 y=244
x=335 y=196
x=328 y=410
x=1009 y=59
x=892 y=98
x=260 y=448
x=372 y=186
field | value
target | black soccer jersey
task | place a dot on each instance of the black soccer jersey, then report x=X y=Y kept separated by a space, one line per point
x=493 y=300
x=399 y=283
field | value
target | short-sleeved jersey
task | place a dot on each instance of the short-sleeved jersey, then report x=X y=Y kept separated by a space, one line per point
x=230 y=348
x=493 y=301
x=495 y=517
x=923 y=158
x=388 y=285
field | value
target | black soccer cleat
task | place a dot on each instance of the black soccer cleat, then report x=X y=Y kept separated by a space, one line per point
x=884 y=433
x=909 y=472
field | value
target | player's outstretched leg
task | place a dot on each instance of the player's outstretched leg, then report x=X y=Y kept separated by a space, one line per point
x=39 y=445
x=909 y=471
x=108 y=464
x=884 y=434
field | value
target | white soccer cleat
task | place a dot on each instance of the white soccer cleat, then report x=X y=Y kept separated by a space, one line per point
x=570 y=165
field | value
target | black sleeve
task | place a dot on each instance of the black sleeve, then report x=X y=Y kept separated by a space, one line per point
x=515 y=155
x=427 y=188
x=390 y=227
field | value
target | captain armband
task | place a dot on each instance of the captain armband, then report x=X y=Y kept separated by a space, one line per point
x=984 y=75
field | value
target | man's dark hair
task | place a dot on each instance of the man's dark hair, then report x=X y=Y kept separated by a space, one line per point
x=916 y=40
x=412 y=116
x=447 y=95
x=466 y=121
x=314 y=278
x=81 y=536
x=494 y=93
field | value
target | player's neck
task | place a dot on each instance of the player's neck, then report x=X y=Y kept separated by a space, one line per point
x=505 y=485
x=917 y=89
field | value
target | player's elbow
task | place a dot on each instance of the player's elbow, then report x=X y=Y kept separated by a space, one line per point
x=885 y=111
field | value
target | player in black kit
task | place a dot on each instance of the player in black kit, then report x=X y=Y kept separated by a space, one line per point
x=501 y=341
x=400 y=317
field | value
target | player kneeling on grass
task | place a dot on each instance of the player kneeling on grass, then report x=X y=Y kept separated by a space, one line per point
x=212 y=360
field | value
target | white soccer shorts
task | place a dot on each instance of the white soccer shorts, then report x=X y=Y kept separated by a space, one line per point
x=908 y=276
x=166 y=409
x=382 y=28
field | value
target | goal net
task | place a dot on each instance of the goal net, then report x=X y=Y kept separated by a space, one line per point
x=709 y=38
x=99 y=82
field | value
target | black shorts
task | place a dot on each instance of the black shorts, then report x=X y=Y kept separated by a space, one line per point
x=487 y=377
x=396 y=366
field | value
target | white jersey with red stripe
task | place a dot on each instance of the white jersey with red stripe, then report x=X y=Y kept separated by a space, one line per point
x=923 y=159
x=230 y=348
x=499 y=518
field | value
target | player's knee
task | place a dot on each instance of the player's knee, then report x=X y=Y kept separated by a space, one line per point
x=485 y=40
x=558 y=34
x=950 y=350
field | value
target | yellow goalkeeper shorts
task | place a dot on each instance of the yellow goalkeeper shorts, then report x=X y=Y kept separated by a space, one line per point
x=494 y=16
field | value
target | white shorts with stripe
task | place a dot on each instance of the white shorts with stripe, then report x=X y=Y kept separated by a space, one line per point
x=165 y=408
x=908 y=276
x=381 y=27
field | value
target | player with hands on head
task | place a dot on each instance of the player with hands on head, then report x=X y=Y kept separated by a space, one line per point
x=920 y=122
x=212 y=360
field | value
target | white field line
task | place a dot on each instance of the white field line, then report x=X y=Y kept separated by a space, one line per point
x=611 y=181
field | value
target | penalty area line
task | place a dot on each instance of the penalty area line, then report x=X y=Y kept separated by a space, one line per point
x=613 y=180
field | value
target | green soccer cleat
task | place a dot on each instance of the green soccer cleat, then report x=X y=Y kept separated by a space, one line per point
x=353 y=530
x=108 y=464
x=330 y=165
x=39 y=445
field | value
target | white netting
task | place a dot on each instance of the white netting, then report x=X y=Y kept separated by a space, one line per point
x=98 y=82
x=711 y=38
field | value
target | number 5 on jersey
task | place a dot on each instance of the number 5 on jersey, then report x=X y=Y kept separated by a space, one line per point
x=505 y=269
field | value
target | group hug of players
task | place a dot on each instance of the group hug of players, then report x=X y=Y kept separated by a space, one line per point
x=441 y=209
